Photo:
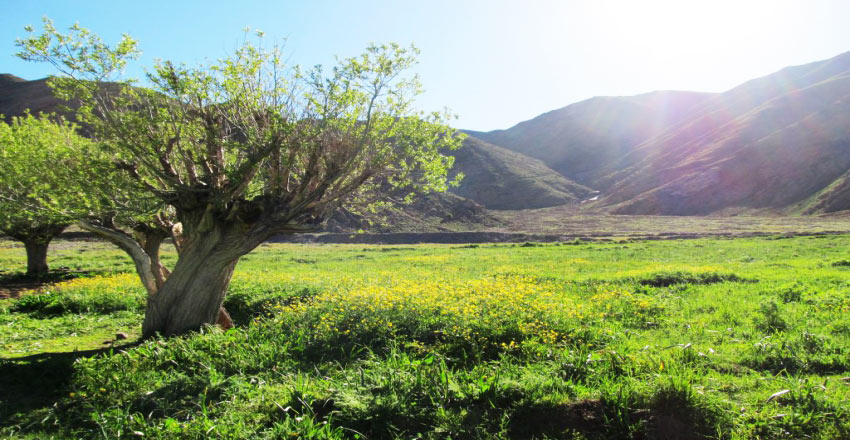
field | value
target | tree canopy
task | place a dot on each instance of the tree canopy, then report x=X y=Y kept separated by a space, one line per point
x=45 y=170
x=247 y=147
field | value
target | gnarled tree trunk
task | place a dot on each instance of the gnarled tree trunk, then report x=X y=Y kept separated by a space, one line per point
x=190 y=298
x=193 y=294
x=209 y=244
x=144 y=248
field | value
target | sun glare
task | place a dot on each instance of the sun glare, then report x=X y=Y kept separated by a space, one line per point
x=709 y=41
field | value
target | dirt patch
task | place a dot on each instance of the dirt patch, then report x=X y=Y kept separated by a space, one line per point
x=15 y=289
x=397 y=238
x=420 y=237
x=592 y=419
x=670 y=427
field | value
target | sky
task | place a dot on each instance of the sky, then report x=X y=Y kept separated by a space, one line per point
x=493 y=63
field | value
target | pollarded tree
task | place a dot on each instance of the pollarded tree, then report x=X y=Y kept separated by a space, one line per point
x=245 y=148
x=44 y=165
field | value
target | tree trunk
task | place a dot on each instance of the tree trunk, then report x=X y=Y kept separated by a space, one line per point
x=151 y=241
x=36 y=239
x=144 y=247
x=36 y=257
x=191 y=296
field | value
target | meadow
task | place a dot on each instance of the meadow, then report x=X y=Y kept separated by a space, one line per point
x=745 y=338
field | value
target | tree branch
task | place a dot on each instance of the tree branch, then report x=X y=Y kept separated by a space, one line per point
x=129 y=245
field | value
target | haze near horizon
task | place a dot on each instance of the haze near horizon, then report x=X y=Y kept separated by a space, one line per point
x=493 y=63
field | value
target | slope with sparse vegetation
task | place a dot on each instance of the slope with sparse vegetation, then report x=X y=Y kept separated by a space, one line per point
x=499 y=178
x=777 y=144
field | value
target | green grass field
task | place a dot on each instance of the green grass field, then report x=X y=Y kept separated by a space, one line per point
x=708 y=338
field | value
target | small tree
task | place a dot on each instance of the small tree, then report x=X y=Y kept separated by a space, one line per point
x=51 y=177
x=244 y=148
x=42 y=166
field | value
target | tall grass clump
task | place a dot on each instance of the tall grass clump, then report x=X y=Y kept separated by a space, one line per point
x=98 y=295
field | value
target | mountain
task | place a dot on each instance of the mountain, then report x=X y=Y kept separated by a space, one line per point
x=590 y=139
x=780 y=143
x=502 y=179
x=7 y=78
x=17 y=95
x=776 y=144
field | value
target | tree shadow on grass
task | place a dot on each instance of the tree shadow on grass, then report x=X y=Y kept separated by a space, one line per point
x=38 y=381
x=13 y=284
x=666 y=417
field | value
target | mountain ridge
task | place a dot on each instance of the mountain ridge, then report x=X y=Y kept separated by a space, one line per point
x=772 y=143
x=768 y=143
x=597 y=131
x=778 y=144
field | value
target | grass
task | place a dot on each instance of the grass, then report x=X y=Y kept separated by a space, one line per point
x=622 y=339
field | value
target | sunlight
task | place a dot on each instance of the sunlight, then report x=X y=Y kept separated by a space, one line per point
x=667 y=40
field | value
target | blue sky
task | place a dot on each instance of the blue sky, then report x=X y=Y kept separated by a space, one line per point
x=493 y=63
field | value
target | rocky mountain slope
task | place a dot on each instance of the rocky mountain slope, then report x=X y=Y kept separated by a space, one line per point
x=590 y=139
x=18 y=95
x=771 y=143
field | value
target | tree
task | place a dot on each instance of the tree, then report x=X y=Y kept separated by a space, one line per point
x=42 y=167
x=51 y=177
x=245 y=148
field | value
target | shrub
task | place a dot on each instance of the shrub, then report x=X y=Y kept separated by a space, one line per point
x=666 y=279
x=770 y=318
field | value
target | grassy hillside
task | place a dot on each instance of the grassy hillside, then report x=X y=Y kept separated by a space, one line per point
x=833 y=198
x=744 y=338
